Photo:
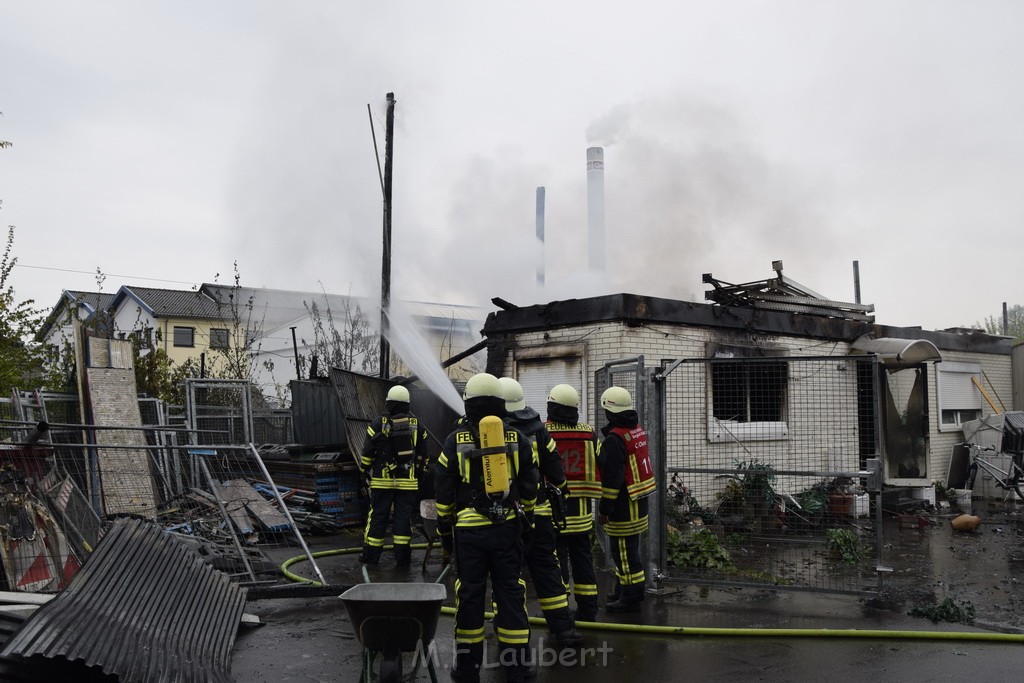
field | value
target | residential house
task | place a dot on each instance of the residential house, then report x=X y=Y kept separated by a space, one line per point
x=273 y=327
x=184 y=324
x=284 y=324
x=88 y=308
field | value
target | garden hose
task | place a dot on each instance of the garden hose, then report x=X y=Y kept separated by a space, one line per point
x=707 y=630
x=326 y=553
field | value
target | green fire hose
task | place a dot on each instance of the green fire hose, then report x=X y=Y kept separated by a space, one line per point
x=709 y=631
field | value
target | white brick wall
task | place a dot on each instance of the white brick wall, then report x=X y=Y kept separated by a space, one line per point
x=822 y=401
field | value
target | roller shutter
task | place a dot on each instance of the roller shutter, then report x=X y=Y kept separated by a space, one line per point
x=538 y=375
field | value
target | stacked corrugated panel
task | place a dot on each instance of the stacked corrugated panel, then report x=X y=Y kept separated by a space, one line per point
x=143 y=608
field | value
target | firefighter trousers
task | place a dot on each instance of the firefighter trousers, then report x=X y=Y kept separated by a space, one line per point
x=493 y=551
x=577 y=561
x=542 y=560
x=629 y=569
x=382 y=501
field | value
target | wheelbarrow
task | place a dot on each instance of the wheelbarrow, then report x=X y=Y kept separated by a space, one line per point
x=392 y=618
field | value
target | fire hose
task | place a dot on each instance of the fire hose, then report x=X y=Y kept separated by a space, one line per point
x=650 y=629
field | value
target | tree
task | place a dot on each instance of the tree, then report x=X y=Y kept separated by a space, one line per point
x=234 y=359
x=1015 y=319
x=21 y=359
x=355 y=345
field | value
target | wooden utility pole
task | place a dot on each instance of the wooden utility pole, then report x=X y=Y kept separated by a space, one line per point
x=385 y=271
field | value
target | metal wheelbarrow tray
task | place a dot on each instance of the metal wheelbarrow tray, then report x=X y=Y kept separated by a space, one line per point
x=392 y=618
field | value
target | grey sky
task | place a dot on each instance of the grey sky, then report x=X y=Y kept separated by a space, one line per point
x=168 y=139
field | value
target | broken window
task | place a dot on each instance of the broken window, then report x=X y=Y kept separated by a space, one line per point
x=185 y=336
x=905 y=413
x=748 y=396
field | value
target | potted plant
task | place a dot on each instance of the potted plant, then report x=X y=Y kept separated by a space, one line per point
x=840 y=498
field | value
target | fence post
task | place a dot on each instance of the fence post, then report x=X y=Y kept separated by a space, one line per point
x=658 y=448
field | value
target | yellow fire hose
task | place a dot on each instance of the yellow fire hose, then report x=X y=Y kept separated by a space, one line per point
x=706 y=630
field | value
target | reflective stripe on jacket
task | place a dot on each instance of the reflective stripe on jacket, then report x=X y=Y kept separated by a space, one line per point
x=460 y=480
x=392 y=465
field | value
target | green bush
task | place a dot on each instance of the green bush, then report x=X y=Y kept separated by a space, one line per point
x=699 y=549
x=844 y=546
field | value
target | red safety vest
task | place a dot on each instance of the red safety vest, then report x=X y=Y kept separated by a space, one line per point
x=576 y=447
x=639 y=473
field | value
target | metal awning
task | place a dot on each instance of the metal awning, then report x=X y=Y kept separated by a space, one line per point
x=899 y=353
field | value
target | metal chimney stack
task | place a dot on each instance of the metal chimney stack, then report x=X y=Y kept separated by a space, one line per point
x=595 y=207
x=540 y=235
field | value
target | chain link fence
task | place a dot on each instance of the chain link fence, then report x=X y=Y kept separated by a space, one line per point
x=764 y=465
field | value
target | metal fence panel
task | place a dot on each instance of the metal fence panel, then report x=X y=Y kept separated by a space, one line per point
x=204 y=483
x=764 y=459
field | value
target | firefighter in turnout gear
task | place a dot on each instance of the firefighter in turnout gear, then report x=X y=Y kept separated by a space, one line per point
x=627 y=478
x=541 y=556
x=580 y=451
x=394 y=452
x=486 y=486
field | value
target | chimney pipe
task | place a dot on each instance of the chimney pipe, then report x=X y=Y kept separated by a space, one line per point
x=540 y=235
x=856 y=282
x=595 y=208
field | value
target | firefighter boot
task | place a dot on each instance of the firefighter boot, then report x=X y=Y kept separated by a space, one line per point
x=370 y=555
x=631 y=600
x=615 y=594
x=520 y=667
x=403 y=555
x=570 y=638
x=468 y=660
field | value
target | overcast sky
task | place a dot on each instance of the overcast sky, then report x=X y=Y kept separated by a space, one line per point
x=162 y=141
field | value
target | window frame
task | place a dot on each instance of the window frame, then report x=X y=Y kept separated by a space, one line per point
x=951 y=378
x=174 y=337
x=730 y=429
x=215 y=332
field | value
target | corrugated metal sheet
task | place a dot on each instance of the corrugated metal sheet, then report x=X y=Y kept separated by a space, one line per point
x=316 y=415
x=143 y=608
x=361 y=399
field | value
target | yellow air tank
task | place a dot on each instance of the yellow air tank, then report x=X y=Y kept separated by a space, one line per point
x=492 y=447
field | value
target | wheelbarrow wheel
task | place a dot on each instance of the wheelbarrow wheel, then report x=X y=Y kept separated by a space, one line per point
x=391 y=667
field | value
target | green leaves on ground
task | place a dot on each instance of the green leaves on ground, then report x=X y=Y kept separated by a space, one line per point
x=947 y=611
x=698 y=549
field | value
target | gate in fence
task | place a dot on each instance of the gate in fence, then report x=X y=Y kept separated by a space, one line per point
x=768 y=468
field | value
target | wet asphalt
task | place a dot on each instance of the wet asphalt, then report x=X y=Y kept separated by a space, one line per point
x=311 y=639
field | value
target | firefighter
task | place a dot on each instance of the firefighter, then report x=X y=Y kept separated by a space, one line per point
x=627 y=478
x=394 y=452
x=580 y=452
x=486 y=486
x=541 y=556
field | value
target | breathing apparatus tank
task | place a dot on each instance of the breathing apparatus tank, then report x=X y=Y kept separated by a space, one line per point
x=494 y=456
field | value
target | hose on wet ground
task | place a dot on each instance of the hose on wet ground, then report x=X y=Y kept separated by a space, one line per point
x=650 y=629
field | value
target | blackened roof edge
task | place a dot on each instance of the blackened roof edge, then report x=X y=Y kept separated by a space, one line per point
x=635 y=310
